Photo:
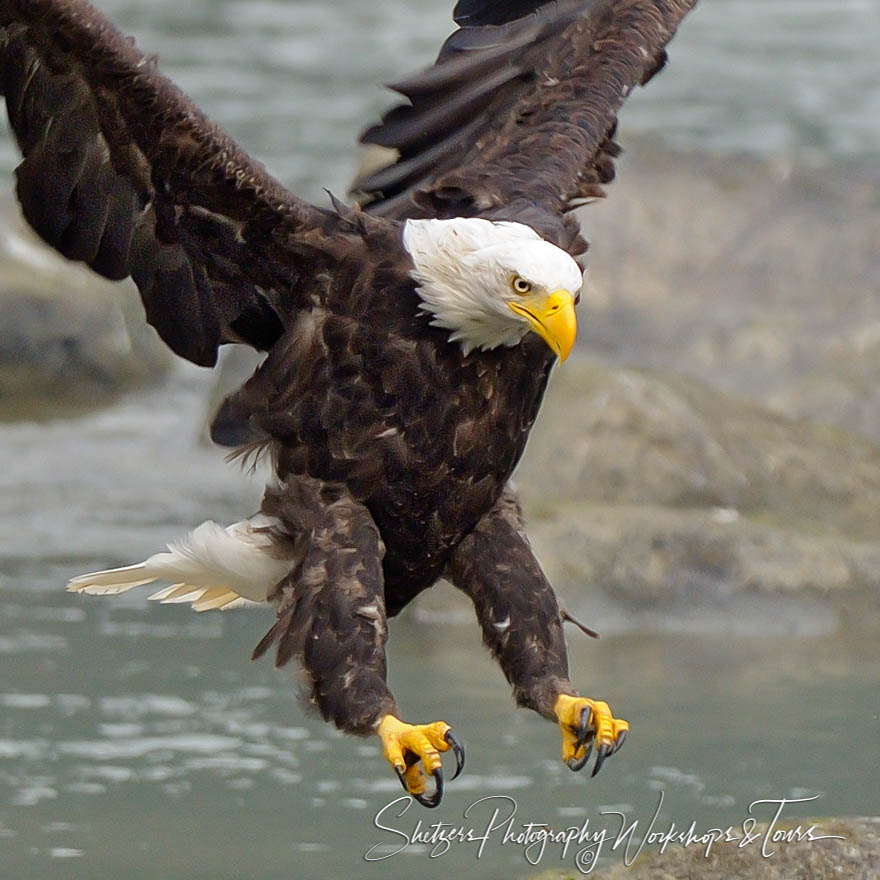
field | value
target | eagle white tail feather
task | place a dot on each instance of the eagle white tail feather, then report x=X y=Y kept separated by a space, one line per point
x=111 y=581
x=211 y=568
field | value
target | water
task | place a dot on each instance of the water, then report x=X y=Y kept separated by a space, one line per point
x=138 y=741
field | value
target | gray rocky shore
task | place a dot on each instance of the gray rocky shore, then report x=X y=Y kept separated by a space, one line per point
x=854 y=857
x=760 y=278
x=717 y=443
x=665 y=494
x=69 y=341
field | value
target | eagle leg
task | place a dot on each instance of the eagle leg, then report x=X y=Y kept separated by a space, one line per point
x=583 y=722
x=522 y=626
x=331 y=615
x=331 y=607
x=413 y=750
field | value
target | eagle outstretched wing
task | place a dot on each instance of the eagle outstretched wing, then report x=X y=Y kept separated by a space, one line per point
x=516 y=119
x=123 y=172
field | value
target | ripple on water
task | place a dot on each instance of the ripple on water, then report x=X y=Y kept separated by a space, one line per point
x=139 y=705
x=141 y=747
x=30 y=642
x=488 y=783
x=284 y=776
x=30 y=795
x=87 y=788
x=43 y=613
x=25 y=701
x=226 y=765
x=308 y=847
x=201 y=627
x=24 y=750
x=65 y=852
x=663 y=777
x=122 y=729
x=65 y=704
x=106 y=772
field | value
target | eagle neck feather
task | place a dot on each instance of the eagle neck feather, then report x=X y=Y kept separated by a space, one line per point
x=454 y=278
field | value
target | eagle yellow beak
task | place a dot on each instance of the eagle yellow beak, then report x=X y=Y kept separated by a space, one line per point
x=552 y=318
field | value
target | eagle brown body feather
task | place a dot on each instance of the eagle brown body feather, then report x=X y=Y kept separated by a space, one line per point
x=392 y=450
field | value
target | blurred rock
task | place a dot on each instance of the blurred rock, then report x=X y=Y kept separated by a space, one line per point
x=653 y=556
x=856 y=857
x=757 y=277
x=626 y=437
x=740 y=457
x=70 y=340
x=662 y=492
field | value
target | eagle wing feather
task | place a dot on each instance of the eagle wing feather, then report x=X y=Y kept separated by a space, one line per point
x=516 y=119
x=124 y=173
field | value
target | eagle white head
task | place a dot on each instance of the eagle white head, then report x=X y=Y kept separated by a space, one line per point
x=490 y=283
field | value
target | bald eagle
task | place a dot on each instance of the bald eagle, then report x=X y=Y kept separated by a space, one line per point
x=408 y=339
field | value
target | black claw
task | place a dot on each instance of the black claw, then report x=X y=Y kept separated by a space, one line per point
x=578 y=763
x=457 y=750
x=433 y=800
x=402 y=778
x=584 y=731
x=601 y=754
x=586 y=717
x=621 y=739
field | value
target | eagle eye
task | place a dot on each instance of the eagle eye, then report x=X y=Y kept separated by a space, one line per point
x=520 y=285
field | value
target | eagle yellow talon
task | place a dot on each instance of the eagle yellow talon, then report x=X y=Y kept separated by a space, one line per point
x=584 y=722
x=413 y=750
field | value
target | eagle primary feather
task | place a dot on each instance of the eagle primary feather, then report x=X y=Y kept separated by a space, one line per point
x=402 y=373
